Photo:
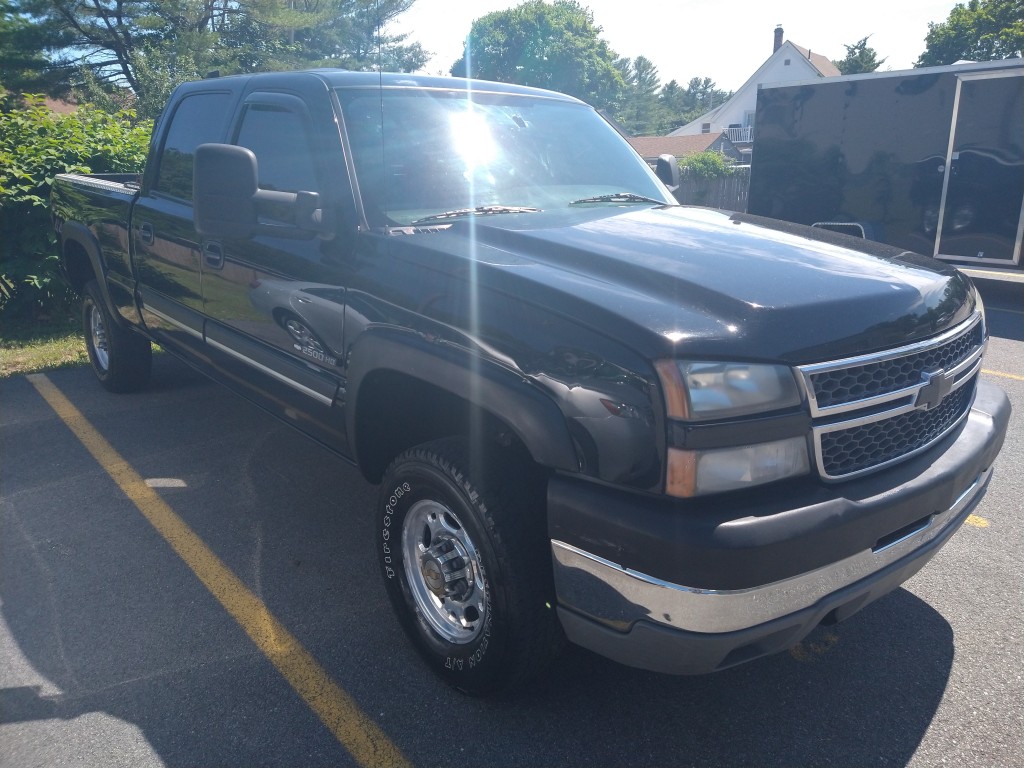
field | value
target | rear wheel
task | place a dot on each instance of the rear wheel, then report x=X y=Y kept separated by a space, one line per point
x=466 y=564
x=121 y=359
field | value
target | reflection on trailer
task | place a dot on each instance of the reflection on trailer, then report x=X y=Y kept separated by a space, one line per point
x=931 y=160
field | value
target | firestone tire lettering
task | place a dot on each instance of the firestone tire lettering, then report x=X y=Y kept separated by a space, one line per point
x=487 y=627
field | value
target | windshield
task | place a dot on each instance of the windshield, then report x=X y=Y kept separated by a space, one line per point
x=430 y=156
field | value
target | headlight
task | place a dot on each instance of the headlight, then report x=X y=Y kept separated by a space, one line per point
x=694 y=473
x=705 y=390
x=701 y=391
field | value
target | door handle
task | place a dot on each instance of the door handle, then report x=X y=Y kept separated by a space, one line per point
x=146 y=233
x=213 y=255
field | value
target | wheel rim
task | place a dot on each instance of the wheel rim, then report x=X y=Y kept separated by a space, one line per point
x=444 y=573
x=302 y=335
x=98 y=333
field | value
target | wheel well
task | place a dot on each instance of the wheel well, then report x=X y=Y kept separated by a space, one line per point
x=396 y=412
x=77 y=265
x=280 y=315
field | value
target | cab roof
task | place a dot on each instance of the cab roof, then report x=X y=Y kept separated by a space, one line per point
x=342 y=78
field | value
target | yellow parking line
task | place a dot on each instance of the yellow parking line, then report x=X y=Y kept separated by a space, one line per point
x=364 y=740
x=1013 y=376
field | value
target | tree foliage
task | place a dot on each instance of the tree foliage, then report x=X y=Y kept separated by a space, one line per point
x=648 y=108
x=146 y=47
x=23 y=67
x=35 y=145
x=979 y=30
x=860 y=57
x=558 y=46
x=706 y=165
x=700 y=95
x=555 y=46
x=639 y=111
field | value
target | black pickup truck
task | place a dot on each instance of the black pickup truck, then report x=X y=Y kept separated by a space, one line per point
x=680 y=437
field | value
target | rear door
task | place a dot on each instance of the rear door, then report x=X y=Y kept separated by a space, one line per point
x=166 y=247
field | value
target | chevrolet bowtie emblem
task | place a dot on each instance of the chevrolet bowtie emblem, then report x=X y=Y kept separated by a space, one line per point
x=937 y=384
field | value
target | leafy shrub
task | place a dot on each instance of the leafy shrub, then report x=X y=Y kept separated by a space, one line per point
x=35 y=145
x=706 y=165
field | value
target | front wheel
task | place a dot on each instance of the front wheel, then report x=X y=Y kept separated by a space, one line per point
x=467 y=567
x=121 y=360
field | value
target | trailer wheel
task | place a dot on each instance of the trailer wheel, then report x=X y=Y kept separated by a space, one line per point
x=467 y=567
x=121 y=359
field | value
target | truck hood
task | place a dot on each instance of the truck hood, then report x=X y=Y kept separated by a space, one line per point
x=695 y=282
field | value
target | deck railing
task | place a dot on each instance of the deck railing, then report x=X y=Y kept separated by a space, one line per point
x=740 y=134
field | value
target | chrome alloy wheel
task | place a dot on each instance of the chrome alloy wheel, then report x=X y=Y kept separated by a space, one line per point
x=443 y=569
x=98 y=334
x=302 y=335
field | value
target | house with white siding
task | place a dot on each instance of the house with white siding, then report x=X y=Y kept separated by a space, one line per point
x=789 y=62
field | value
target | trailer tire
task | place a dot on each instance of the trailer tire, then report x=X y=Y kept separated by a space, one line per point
x=122 y=360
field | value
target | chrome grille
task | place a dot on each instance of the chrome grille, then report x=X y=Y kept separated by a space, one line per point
x=849 y=451
x=846 y=385
x=874 y=410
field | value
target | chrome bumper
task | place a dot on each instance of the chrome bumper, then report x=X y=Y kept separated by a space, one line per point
x=618 y=597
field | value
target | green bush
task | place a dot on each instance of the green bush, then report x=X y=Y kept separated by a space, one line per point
x=35 y=145
x=706 y=165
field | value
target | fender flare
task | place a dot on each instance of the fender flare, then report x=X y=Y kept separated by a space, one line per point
x=533 y=416
x=80 y=234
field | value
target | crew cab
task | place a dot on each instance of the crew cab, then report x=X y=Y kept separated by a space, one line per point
x=680 y=437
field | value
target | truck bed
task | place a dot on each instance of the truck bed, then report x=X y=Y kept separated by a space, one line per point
x=102 y=204
x=102 y=196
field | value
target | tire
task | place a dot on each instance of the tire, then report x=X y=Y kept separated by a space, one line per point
x=466 y=562
x=122 y=360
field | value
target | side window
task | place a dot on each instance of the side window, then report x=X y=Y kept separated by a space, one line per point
x=198 y=119
x=279 y=139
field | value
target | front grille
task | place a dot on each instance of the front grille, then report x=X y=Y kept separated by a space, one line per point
x=847 y=385
x=873 y=410
x=850 y=451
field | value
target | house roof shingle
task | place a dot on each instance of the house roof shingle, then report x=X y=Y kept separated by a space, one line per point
x=60 y=106
x=821 y=63
x=680 y=146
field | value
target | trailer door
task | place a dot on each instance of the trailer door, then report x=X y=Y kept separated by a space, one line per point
x=981 y=214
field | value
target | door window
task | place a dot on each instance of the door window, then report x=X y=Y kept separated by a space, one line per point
x=279 y=139
x=198 y=119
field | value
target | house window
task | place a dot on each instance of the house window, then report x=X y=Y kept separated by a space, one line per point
x=785 y=63
x=705 y=127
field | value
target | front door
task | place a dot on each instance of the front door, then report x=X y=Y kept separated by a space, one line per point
x=276 y=300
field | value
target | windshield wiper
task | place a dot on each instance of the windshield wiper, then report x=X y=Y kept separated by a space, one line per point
x=618 y=197
x=480 y=210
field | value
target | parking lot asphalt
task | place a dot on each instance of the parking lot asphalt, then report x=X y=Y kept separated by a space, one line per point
x=116 y=650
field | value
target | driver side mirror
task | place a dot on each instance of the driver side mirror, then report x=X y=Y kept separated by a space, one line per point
x=225 y=181
x=668 y=171
x=228 y=203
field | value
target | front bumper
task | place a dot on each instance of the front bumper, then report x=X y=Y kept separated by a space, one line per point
x=692 y=588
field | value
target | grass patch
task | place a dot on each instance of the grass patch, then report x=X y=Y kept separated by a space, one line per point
x=31 y=347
